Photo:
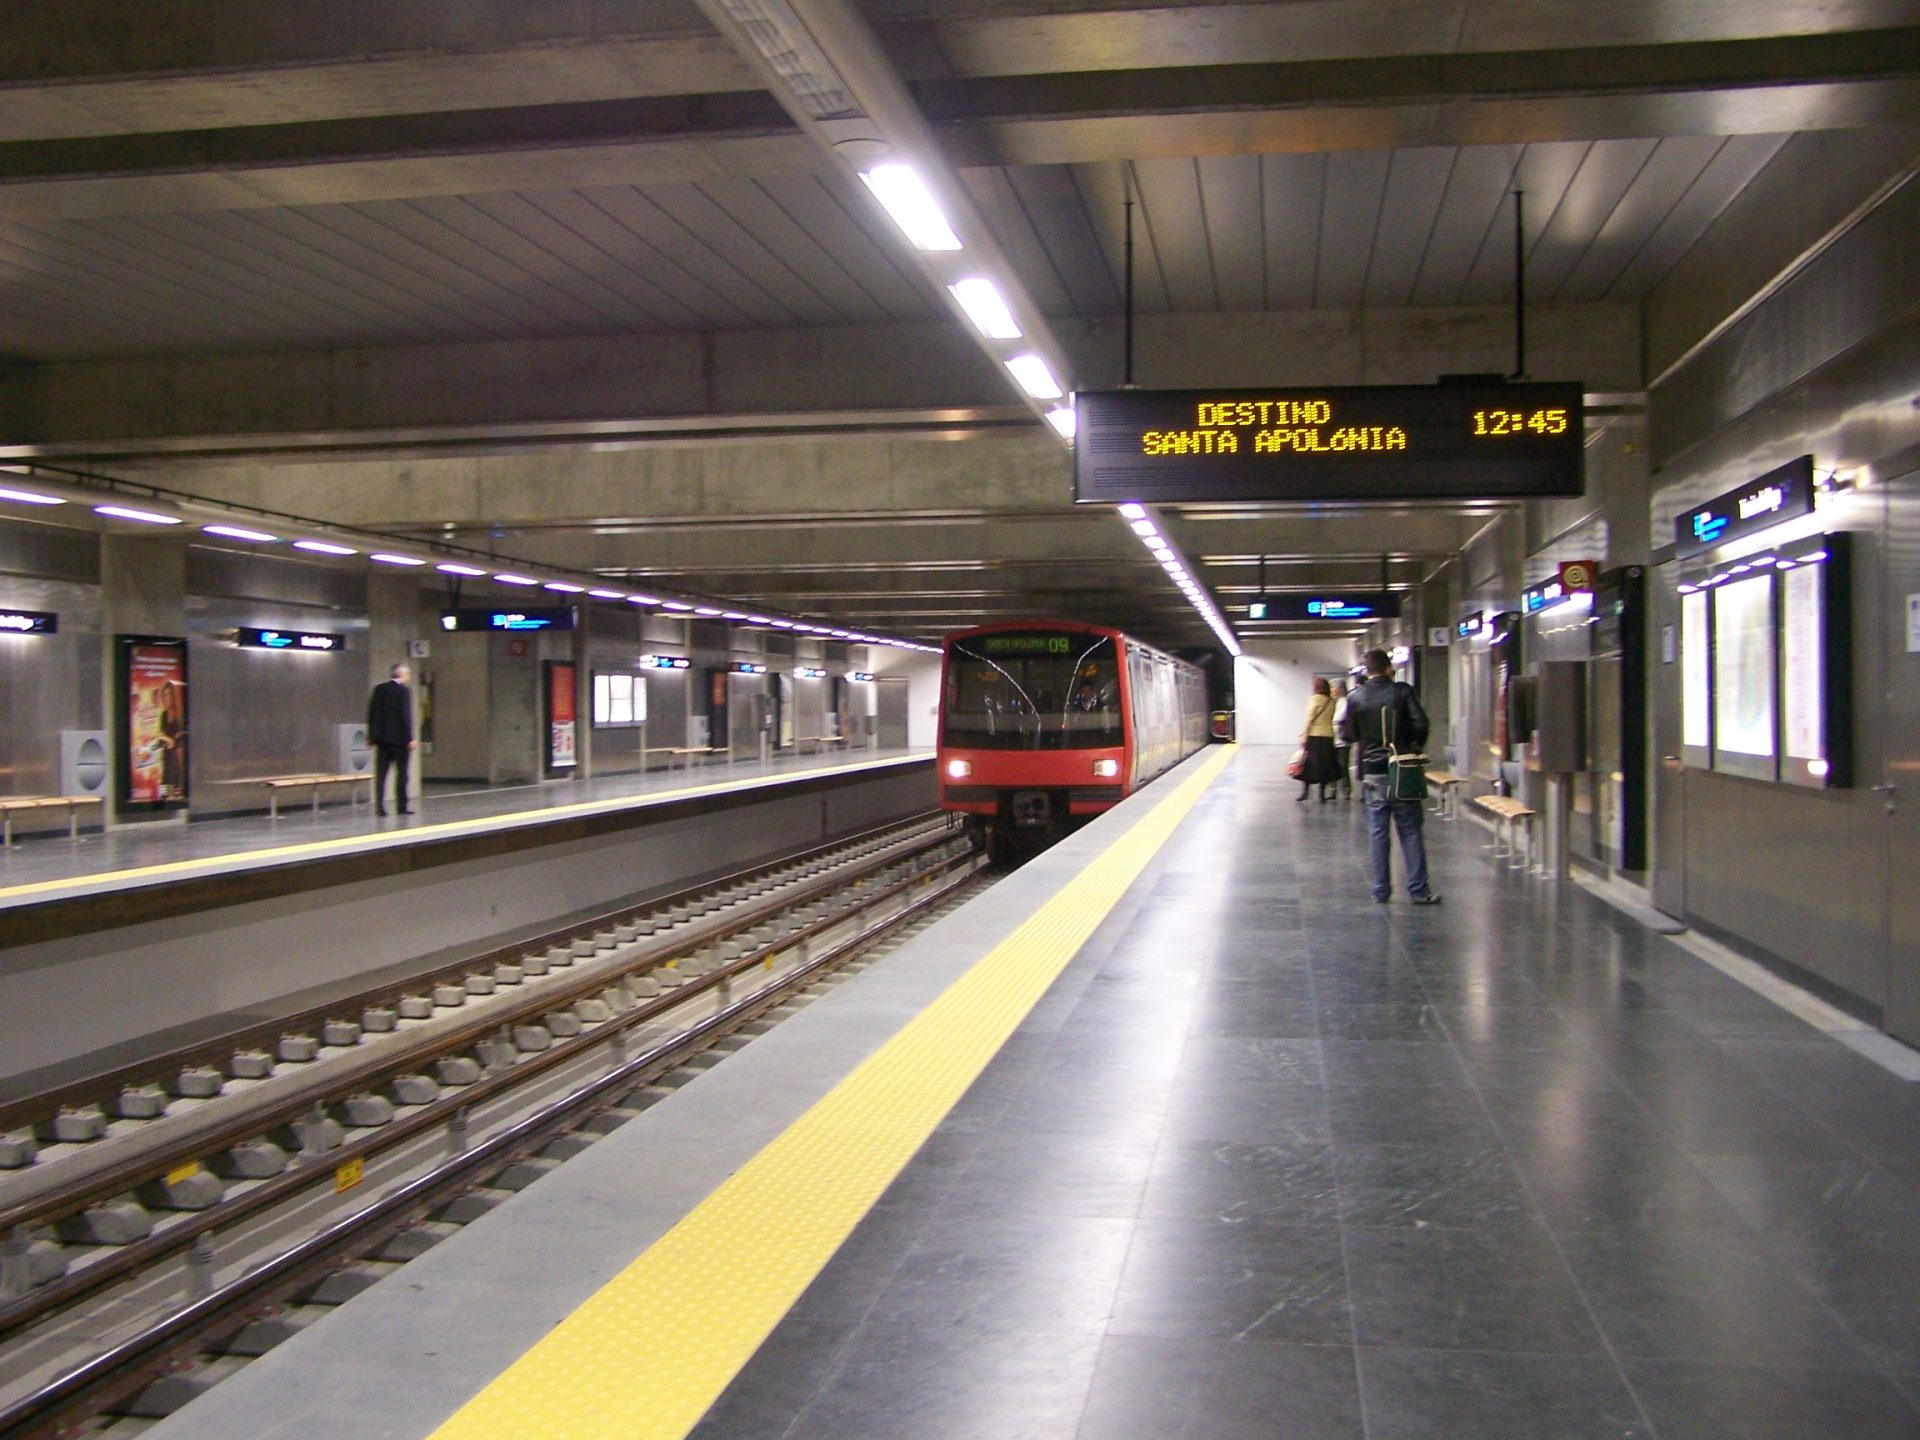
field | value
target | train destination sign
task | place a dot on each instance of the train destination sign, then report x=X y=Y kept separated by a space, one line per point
x=1361 y=442
x=1780 y=494
x=29 y=622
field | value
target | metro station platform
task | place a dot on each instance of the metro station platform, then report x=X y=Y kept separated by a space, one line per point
x=1175 y=1133
x=135 y=856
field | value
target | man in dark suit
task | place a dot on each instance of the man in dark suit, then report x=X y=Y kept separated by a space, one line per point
x=390 y=732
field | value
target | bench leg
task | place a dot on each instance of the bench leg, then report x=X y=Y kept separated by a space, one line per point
x=1520 y=857
x=73 y=824
x=315 y=807
x=273 y=805
x=6 y=830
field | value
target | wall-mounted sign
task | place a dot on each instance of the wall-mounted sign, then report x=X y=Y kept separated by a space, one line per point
x=1373 y=442
x=860 y=675
x=1781 y=494
x=1365 y=605
x=28 y=622
x=810 y=672
x=664 y=662
x=152 y=768
x=1438 y=637
x=288 y=640
x=1472 y=625
x=508 y=618
x=1544 y=596
x=1257 y=609
x=1579 y=575
x=748 y=667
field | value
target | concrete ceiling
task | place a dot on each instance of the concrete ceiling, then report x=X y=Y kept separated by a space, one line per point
x=406 y=230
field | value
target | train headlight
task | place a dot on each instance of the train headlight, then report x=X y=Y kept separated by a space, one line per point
x=1106 y=769
x=959 y=769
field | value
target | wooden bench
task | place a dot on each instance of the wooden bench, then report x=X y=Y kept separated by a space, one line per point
x=10 y=805
x=685 y=753
x=1507 y=814
x=276 y=783
x=1445 y=782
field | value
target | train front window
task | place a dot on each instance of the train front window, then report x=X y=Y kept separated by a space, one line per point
x=1033 y=690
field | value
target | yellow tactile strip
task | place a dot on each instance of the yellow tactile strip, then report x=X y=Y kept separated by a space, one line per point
x=443 y=830
x=646 y=1356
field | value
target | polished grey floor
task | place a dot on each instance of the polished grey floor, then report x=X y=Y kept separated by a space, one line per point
x=44 y=858
x=1271 y=1160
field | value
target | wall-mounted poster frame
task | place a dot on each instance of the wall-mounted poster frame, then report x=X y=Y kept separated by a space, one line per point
x=560 y=708
x=1766 y=665
x=619 y=700
x=151 y=757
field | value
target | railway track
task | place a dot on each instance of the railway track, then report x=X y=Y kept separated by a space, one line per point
x=189 y=1228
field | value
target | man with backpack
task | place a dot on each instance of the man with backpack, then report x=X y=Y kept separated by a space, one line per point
x=1384 y=719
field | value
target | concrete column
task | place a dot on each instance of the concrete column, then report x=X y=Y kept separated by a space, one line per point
x=583 y=693
x=393 y=624
x=143 y=591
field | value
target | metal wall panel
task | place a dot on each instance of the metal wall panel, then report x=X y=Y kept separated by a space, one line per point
x=1900 y=755
x=48 y=683
x=262 y=712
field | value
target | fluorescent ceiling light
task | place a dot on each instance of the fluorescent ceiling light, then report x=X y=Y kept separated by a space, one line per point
x=784 y=625
x=675 y=605
x=706 y=610
x=234 y=532
x=450 y=568
x=734 y=615
x=1131 y=511
x=1034 y=377
x=385 y=559
x=27 y=497
x=906 y=198
x=985 y=307
x=838 y=634
x=1062 y=421
x=145 y=517
x=608 y=594
x=644 y=599
x=507 y=577
x=564 y=587
x=324 y=547
x=759 y=619
x=1145 y=530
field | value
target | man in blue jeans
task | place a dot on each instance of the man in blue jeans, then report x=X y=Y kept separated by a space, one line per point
x=1384 y=716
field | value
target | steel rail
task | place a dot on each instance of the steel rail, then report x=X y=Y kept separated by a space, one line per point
x=238 y=1120
x=126 y=1366
x=104 y=1088
x=179 y=1234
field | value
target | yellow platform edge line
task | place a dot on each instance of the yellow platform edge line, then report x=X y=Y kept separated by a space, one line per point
x=446 y=829
x=647 y=1355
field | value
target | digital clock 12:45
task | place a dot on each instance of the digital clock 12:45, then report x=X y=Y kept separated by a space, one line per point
x=1520 y=422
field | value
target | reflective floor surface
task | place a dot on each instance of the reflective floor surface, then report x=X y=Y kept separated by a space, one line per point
x=1271 y=1160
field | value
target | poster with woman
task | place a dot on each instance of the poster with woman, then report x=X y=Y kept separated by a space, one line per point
x=153 y=755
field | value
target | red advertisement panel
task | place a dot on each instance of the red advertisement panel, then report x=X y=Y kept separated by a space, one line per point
x=153 y=755
x=562 y=726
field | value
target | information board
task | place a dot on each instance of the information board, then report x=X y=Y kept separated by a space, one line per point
x=1780 y=494
x=1350 y=606
x=1361 y=442
x=1744 y=718
x=509 y=618
x=1696 y=679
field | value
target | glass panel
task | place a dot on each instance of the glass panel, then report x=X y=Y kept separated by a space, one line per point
x=1032 y=690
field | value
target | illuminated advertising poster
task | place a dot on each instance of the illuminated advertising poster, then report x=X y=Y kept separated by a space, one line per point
x=1696 y=661
x=1803 y=665
x=153 y=756
x=562 y=728
x=1743 y=676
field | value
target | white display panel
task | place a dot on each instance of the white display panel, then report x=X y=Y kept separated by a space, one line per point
x=1744 y=718
x=1804 y=673
x=619 y=701
x=1696 y=675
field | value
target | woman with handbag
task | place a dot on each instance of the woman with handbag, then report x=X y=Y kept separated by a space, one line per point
x=1316 y=739
x=1389 y=730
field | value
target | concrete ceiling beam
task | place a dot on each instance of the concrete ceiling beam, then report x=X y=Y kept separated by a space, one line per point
x=608 y=389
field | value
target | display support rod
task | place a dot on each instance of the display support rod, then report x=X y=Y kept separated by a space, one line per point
x=1127 y=378
x=1519 y=285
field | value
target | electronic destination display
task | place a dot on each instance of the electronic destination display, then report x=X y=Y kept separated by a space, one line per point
x=1350 y=606
x=1356 y=442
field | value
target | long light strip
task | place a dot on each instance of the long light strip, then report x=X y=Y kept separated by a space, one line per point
x=1141 y=521
x=27 y=497
x=145 y=517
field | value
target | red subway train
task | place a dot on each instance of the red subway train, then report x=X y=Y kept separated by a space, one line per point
x=1042 y=721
